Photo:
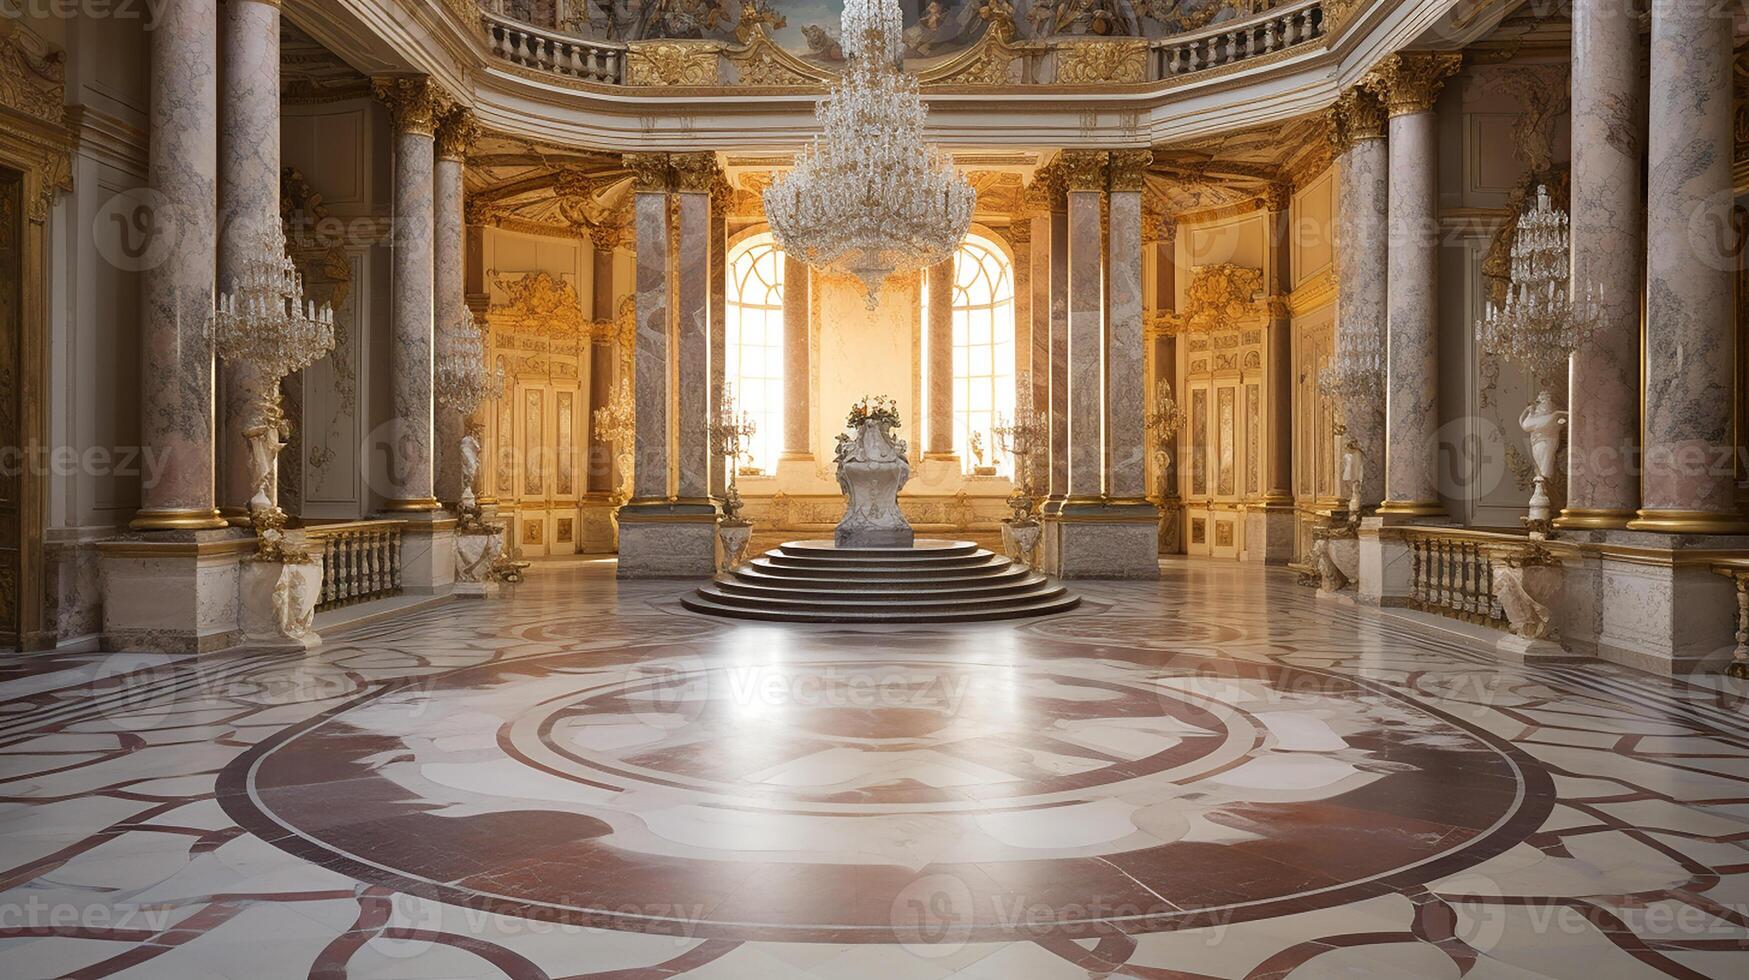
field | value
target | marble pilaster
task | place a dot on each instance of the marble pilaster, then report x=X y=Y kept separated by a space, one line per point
x=415 y=104
x=1059 y=351
x=796 y=401
x=1270 y=524
x=454 y=133
x=176 y=346
x=1126 y=478
x=650 y=358
x=721 y=196
x=940 y=347
x=602 y=382
x=1039 y=353
x=248 y=189
x=1086 y=177
x=1409 y=84
x=1608 y=212
x=694 y=174
x=1020 y=240
x=1362 y=242
x=1687 y=481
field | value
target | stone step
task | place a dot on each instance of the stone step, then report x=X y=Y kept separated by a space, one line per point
x=833 y=591
x=826 y=549
x=858 y=562
x=704 y=603
x=789 y=580
x=858 y=602
x=988 y=565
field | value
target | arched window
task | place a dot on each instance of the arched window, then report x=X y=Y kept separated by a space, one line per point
x=753 y=343
x=983 y=348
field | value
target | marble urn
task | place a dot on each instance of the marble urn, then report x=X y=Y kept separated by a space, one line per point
x=872 y=468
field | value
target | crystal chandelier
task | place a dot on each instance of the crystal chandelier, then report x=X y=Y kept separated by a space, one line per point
x=616 y=423
x=1540 y=325
x=868 y=197
x=1355 y=375
x=461 y=378
x=266 y=324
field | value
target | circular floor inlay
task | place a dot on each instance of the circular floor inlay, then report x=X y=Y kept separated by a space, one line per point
x=838 y=793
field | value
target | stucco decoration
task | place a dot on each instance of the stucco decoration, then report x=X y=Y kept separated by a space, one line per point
x=1218 y=296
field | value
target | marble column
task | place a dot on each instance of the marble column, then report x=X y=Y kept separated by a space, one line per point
x=722 y=195
x=1270 y=529
x=604 y=239
x=1687 y=482
x=1085 y=172
x=1059 y=343
x=176 y=348
x=1362 y=239
x=1020 y=240
x=669 y=527
x=415 y=104
x=1039 y=354
x=248 y=189
x=694 y=174
x=940 y=348
x=1409 y=84
x=1126 y=388
x=797 y=423
x=455 y=132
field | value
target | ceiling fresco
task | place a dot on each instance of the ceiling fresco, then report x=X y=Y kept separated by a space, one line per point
x=933 y=28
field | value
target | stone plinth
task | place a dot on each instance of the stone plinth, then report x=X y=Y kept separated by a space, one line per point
x=475 y=551
x=173 y=591
x=1119 y=541
x=663 y=540
x=427 y=553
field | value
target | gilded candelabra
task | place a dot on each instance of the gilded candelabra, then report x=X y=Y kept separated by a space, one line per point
x=267 y=324
x=616 y=422
x=1166 y=419
x=730 y=431
x=1023 y=439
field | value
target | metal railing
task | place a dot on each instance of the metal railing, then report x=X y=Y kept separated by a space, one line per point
x=1452 y=573
x=1278 y=27
x=361 y=560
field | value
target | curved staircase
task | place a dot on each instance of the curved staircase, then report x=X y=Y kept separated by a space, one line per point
x=933 y=582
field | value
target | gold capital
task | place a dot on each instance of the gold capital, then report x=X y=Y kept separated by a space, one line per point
x=1129 y=169
x=456 y=132
x=1084 y=170
x=1410 y=82
x=693 y=172
x=651 y=173
x=1357 y=115
x=414 y=102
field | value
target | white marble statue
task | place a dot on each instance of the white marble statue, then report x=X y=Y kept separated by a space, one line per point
x=1526 y=590
x=1544 y=424
x=265 y=440
x=872 y=468
x=1353 y=474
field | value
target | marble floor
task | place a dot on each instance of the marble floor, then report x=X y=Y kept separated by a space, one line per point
x=1215 y=775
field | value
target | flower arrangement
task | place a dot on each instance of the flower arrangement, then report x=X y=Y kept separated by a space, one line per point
x=878 y=409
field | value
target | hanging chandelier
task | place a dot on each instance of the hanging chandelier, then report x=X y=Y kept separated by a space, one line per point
x=462 y=380
x=265 y=320
x=868 y=197
x=1542 y=322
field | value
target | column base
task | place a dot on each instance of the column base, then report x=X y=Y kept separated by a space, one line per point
x=178 y=519
x=1386 y=565
x=173 y=591
x=427 y=552
x=1688 y=522
x=667 y=540
x=1102 y=540
x=1413 y=508
x=412 y=505
x=1269 y=534
x=1594 y=519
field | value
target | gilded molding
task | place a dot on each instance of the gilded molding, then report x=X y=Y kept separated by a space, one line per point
x=1100 y=62
x=694 y=172
x=415 y=103
x=1314 y=294
x=456 y=132
x=1411 y=82
x=1338 y=14
x=33 y=76
x=1129 y=169
x=1049 y=188
x=1218 y=297
x=667 y=62
x=1084 y=170
x=1358 y=115
x=651 y=173
x=1277 y=197
x=539 y=305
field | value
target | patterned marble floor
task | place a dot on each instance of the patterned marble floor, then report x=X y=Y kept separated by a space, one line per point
x=1212 y=776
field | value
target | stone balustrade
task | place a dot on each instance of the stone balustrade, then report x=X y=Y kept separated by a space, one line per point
x=1452 y=573
x=361 y=560
x=1278 y=28
x=558 y=53
x=1737 y=570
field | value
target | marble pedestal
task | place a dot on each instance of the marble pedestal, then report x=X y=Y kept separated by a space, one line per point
x=172 y=591
x=1119 y=541
x=475 y=551
x=1387 y=569
x=663 y=540
x=1650 y=601
x=1269 y=534
x=427 y=552
x=279 y=603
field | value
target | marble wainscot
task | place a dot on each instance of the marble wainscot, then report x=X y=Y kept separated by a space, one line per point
x=173 y=591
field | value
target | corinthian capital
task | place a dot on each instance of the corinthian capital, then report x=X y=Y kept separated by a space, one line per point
x=1084 y=170
x=415 y=102
x=1410 y=82
x=456 y=132
x=693 y=172
x=1129 y=169
x=651 y=172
